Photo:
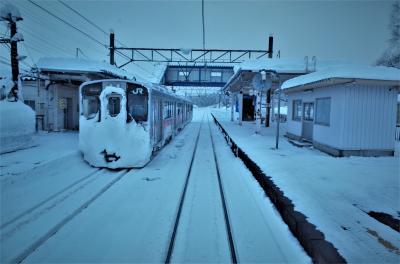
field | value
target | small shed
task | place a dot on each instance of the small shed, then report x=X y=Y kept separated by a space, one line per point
x=345 y=111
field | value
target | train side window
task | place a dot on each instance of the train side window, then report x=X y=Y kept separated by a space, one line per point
x=114 y=104
x=137 y=106
x=90 y=105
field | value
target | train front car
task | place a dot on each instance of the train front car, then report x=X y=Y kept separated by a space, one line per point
x=114 y=127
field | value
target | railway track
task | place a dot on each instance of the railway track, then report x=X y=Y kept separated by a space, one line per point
x=228 y=229
x=80 y=184
x=49 y=198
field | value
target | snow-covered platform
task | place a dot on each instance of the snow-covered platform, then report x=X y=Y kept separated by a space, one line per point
x=335 y=194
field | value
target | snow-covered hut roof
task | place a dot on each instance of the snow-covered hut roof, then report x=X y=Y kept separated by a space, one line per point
x=80 y=65
x=344 y=73
x=276 y=64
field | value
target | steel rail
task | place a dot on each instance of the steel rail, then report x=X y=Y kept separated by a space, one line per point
x=181 y=200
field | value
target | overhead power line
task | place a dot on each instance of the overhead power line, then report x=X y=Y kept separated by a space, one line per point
x=67 y=23
x=82 y=16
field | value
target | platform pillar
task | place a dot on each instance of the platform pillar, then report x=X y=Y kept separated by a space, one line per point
x=240 y=98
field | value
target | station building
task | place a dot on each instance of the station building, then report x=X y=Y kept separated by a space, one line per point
x=345 y=111
x=247 y=80
x=52 y=91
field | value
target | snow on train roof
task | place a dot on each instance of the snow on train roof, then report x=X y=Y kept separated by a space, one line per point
x=76 y=65
x=345 y=72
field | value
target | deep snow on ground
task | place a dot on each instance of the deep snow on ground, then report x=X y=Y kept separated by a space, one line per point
x=132 y=220
x=45 y=147
x=332 y=192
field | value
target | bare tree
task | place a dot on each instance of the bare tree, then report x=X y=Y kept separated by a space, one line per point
x=391 y=57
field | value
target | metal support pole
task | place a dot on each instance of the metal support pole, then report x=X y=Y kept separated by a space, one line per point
x=258 y=112
x=240 y=107
x=279 y=115
x=232 y=105
x=14 y=54
x=268 y=110
x=270 y=46
x=112 y=48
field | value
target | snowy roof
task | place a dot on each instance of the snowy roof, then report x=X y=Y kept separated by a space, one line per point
x=278 y=65
x=80 y=65
x=379 y=73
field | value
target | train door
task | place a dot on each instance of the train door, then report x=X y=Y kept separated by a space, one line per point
x=175 y=117
x=157 y=120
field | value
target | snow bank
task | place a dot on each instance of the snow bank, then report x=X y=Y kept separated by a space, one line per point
x=17 y=125
x=128 y=141
x=354 y=72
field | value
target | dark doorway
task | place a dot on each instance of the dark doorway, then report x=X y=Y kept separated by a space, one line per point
x=248 y=108
x=68 y=113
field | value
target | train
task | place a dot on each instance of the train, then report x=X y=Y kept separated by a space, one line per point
x=124 y=123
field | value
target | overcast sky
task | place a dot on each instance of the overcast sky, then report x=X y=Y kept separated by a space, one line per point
x=348 y=30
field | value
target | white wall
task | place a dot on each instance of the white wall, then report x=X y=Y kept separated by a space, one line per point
x=329 y=135
x=370 y=121
x=53 y=115
x=362 y=117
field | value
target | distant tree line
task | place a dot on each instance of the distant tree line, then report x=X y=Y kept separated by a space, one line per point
x=391 y=57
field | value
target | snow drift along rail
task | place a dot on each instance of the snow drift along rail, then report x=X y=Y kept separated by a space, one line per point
x=312 y=240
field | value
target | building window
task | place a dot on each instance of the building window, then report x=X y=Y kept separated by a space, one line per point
x=308 y=113
x=31 y=103
x=297 y=111
x=323 y=111
x=216 y=76
x=183 y=75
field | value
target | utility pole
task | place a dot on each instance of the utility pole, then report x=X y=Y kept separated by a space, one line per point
x=112 y=48
x=11 y=18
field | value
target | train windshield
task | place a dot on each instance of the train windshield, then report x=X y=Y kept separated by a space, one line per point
x=90 y=99
x=114 y=104
x=137 y=102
